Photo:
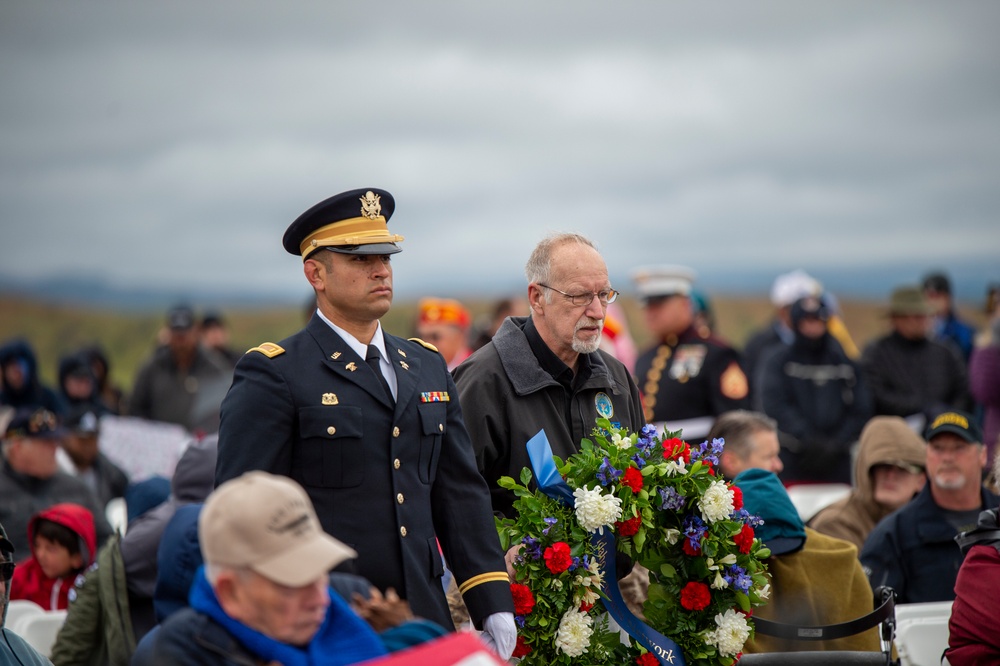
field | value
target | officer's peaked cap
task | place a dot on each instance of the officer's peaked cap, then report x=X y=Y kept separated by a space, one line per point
x=351 y=222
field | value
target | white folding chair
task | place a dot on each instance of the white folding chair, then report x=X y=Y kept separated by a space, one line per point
x=922 y=632
x=809 y=498
x=40 y=631
x=18 y=611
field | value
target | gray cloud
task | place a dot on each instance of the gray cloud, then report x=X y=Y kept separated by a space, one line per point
x=171 y=144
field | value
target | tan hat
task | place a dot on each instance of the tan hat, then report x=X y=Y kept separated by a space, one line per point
x=909 y=301
x=267 y=523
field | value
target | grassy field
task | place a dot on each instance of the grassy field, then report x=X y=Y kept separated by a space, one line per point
x=128 y=338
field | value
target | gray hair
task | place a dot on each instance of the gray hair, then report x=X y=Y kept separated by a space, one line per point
x=737 y=426
x=538 y=268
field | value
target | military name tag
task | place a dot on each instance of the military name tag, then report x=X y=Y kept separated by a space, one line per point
x=435 y=396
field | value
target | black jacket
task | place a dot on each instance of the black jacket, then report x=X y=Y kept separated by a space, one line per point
x=820 y=401
x=507 y=398
x=910 y=377
x=389 y=480
x=914 y=551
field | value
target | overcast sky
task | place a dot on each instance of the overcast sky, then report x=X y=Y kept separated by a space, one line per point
x=171 y=143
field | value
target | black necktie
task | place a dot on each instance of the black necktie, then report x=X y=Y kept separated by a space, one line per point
x=373 y=359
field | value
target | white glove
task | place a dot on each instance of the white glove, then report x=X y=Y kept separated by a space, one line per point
x=500 y=634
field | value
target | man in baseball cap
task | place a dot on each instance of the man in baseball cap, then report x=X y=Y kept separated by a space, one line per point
x=913 y=550
x=263 y=593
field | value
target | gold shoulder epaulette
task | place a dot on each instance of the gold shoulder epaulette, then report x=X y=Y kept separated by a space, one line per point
x=268 y=349
x=425 y=344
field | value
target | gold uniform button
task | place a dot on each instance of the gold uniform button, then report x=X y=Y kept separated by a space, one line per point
x=399 y=498
x=395 y=463
x=402 y=531
x=395 y=431
x=331 y=431
x=441 y=427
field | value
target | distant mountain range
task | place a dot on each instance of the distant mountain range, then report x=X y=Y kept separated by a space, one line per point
x=970 y=282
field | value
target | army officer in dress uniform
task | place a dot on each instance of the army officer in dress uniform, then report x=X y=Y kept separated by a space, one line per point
x=369 y=424
x=688 y=375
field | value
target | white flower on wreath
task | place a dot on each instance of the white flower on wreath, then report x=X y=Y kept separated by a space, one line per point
x=731 y=632
x=594 y=510
x=717 y=502
x=672 y=536
x=574 y=632
x=674 y=467
x=621 y=442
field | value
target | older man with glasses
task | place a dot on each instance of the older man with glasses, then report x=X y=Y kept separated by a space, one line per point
x=913 y=550
x=546 y=371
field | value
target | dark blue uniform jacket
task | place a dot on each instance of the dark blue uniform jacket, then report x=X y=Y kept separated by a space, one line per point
x=389 y=480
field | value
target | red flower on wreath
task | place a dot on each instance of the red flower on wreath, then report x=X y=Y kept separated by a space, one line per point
x=585 y=607
x=737 y=497
x=744 y=540
x=695 y=596
x=557 y=557
x=676 y=449
x=521 y=648
x=711 y=468
x=628 y=527
x=691 y=551
x=524 y=600
x=633 y=479
x=647 y=659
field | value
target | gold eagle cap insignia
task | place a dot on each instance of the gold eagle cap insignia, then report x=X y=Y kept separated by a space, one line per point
x=371 y=206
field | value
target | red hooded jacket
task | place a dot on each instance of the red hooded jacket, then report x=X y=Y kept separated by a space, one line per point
x=30 y=582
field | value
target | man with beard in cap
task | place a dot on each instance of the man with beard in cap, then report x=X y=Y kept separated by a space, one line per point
x=913 y=550
x=370 y=425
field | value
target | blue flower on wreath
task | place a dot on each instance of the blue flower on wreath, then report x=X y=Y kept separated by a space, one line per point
x=647 y=439
x=672 y=500
x=519 y=620
x=709 y=452
x=532 y=547
x=607 y=474
x=550 y=522
x=574 y=564
x=639 y=461
x=694 y=530
x=737 y=577
x=744 y=516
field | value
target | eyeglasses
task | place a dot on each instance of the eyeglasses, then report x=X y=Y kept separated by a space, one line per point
x=6 y=570
x=579 y=300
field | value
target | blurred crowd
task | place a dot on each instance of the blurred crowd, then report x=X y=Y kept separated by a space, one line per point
x=904 y=427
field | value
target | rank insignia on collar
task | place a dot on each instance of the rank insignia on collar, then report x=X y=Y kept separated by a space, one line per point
x=401 y=353
x=335 y=355
x=330 y=399
x=351 y=366
x=404 y=365
x=435 y=396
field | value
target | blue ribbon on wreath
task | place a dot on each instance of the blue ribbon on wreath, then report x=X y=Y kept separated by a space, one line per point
x=551 y=483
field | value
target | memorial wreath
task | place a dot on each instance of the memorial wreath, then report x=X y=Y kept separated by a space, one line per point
x=658 y=502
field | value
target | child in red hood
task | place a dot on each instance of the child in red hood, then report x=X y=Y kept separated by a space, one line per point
x=62 y=540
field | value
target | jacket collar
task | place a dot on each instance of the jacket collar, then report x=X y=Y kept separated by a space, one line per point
x=346 y=364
